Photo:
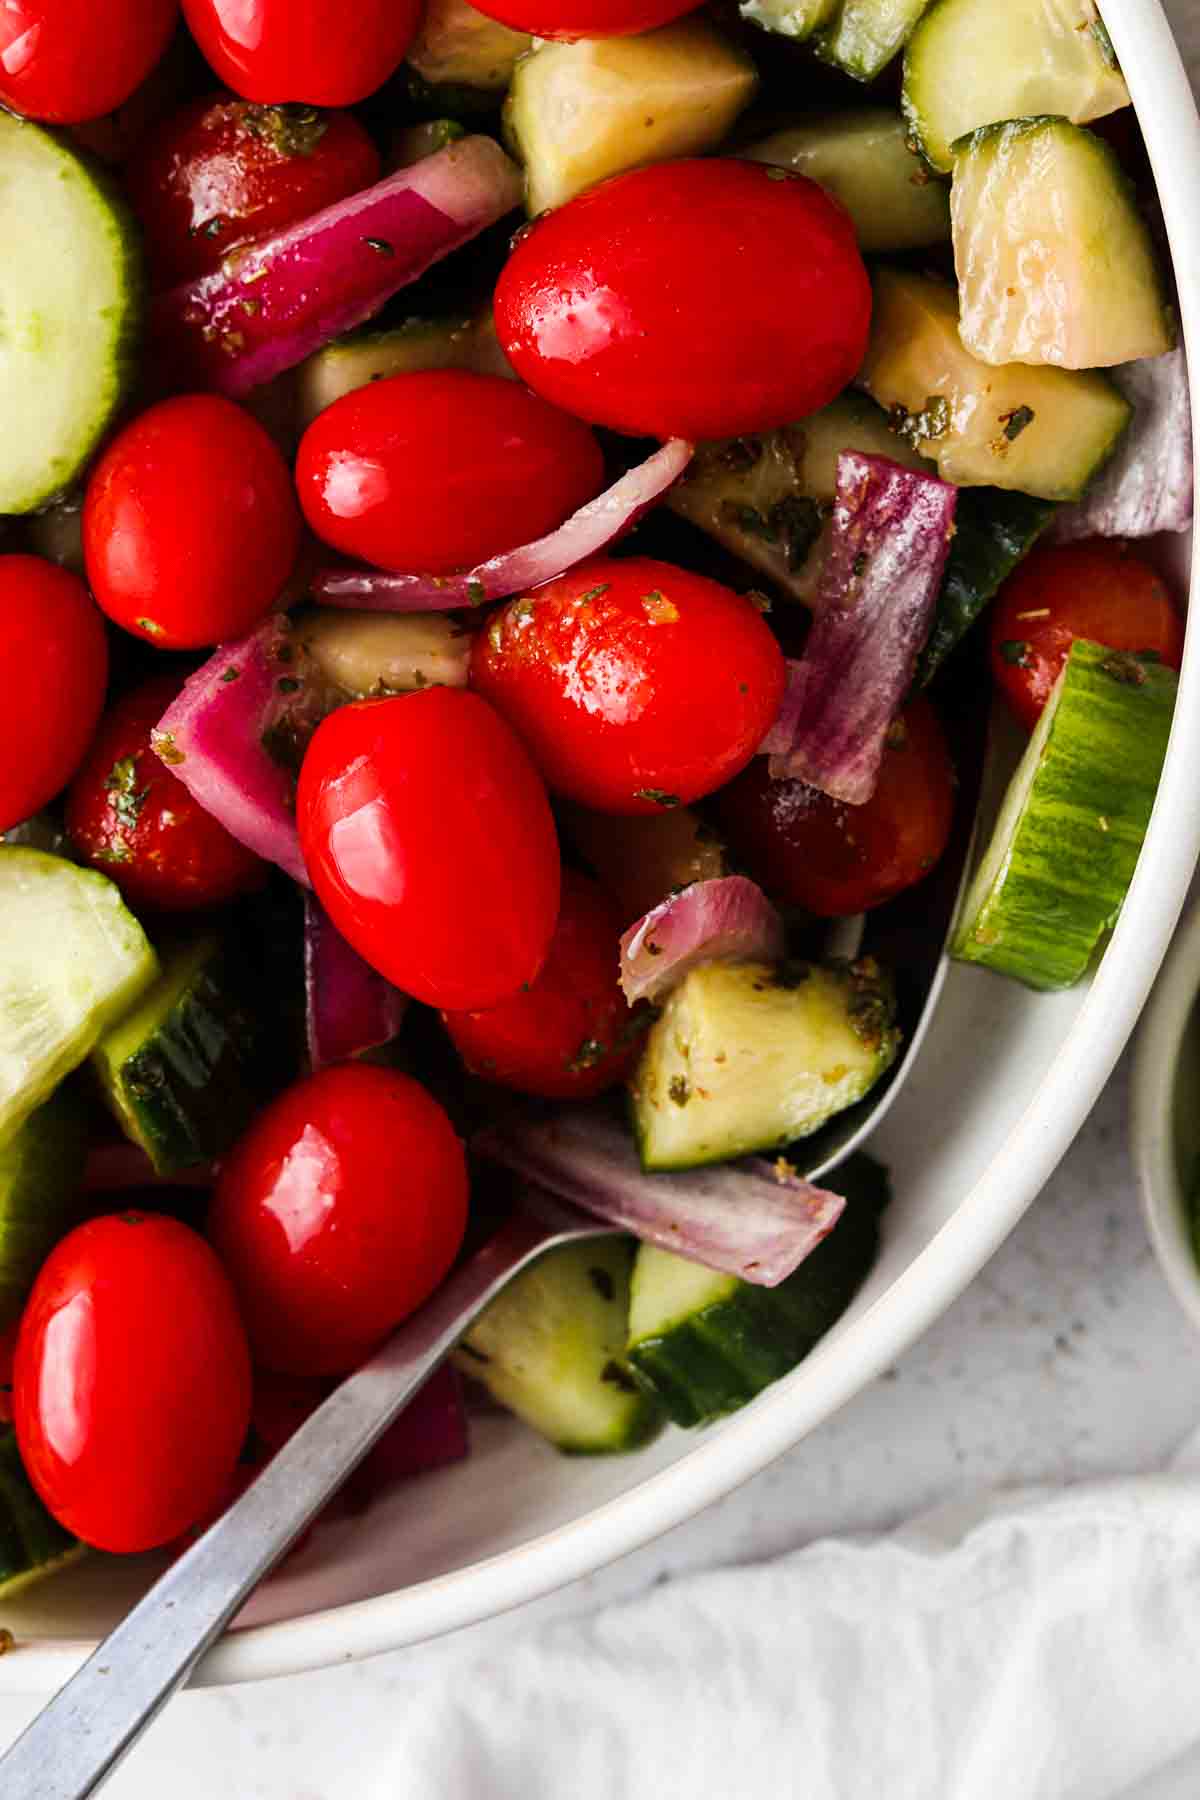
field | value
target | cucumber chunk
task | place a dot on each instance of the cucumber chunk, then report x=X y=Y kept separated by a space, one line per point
x=706 y=1343
x=1064 y=849
x=70 y=312
x=32 y=1544
x=993 y=532
x=1054 y=260
x=366 y=655
x=41 y=1197
x=1042 y=431
x=578 y=112
x=351 y=362
x=747 y=1056
x=767 y=497
x=186 y=1070
x=865 y=35
x=864 y=158
x=973 y=62
x=458 y=46
x=551 y=1348
x=796 y=19
x=72 y=959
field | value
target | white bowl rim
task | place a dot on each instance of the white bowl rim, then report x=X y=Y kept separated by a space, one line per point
x=750 y=1440
x=1152 y=1115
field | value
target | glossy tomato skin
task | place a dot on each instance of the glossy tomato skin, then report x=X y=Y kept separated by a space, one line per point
x=1097 y=590
x=431 y=845
x=307 y=50
x=54 y=669
x=62 y=61
x=190 y=524
x=435 y=472
x=131 y=1381
x=338 y=1214
x=586 y=18
x=223 y=172
x=130 y=817
x=636 y=685
x=695 y=299
x=571 y=1035
x=836 y=860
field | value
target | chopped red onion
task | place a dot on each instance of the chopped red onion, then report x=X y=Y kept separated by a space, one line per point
x=729 y=917
x=349 y=1007
x=274 y=303
x=778 y=740
x=592 y=528
x=430 y=1433
x=1148 y=486
x=211 y=737
x=879 y=586
x=754 y=1219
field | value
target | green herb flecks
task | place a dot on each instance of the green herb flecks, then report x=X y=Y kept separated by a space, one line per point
x=126 y=798
x=679 y=1091
x=292 y=130
x=603 y=1283
x=933 y=421
x=1015 y=422
x=381 y=246
x=589 y=1053
x=656 y=797
x=1015 y=652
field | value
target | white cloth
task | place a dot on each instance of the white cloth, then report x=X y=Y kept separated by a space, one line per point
x=1037 y=1646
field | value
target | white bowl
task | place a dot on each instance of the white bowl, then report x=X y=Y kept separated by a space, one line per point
x=1166 y=1114
x=1005 y=1081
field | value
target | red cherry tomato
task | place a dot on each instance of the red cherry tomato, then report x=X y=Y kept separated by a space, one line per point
x=53 y=671
x=132 y=819
x=132 y=1381
x=586 y=18
x=1095 y=590
x=310 y=50
x=690 y=299
x=338 y=1214
x=836 y=860
x=431 y=845
x=223 y=172
x=67 y=60
x=190 y=524
x=635 y=684
x=571 y=1034
x=436 y=472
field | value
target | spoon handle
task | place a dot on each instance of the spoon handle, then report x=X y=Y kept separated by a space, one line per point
x=77 y=1740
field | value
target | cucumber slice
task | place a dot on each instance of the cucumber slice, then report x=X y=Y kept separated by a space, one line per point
x=1063 y=852
x=351 y=362
x=973 y=62
x=706 y=1343
x=552 y=1349
x=457 y=46
x=1054 y=259
x=746 y=1057
x=186 y=1070
x=766 y=497
x=796 y=19
x=865 y=159
x=71 y=307
x=865 y=35
x=578 y=112
x=32 y=1544
x=993 y=532
x=1042 y=431
x=72 y=960
x=41 y=1198
x=365 y=655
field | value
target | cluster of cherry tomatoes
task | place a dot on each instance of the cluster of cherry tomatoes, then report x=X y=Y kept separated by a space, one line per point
x=649 y=306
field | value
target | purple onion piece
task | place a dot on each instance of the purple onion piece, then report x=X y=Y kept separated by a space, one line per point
x=591 y=529
x=211 y=737
x=1149 y=485
x=729 y=917
x=753 y=1219
x=276 y=302
x=879 y=586
x=349 y=1007
x=430 y=1433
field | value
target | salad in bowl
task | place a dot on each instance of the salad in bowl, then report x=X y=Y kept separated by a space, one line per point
x=465 y=672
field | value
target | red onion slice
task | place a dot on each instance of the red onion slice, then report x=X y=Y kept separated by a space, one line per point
x=1148 y=486
x=349 y=1007
x=276 y=302
x=430 y=1433
x=729 y=917
x=592 y=528
x=211 y=738
x=754 y=1219
x=879 y=586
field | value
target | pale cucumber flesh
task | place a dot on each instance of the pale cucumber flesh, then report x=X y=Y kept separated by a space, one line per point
x=864 y=158
x=865 y=35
